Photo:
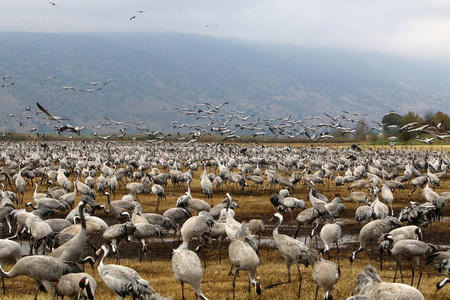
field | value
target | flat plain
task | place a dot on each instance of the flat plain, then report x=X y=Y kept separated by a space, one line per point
x=254 y=204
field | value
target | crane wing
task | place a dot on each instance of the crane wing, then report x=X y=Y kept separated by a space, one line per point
x=45 y=111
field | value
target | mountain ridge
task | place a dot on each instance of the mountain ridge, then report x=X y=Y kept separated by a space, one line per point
x=154 y=73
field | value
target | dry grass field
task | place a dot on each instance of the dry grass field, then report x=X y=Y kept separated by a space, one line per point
x=217 y=284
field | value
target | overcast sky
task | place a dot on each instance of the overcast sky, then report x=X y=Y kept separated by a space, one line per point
x=413 y=28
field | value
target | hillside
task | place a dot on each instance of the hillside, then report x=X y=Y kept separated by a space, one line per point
x=153 y=73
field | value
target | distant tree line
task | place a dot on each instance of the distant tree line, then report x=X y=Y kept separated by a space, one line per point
x=413 y=126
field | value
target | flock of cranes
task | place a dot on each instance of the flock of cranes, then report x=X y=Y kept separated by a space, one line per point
x=225 y=123
x=58 y=244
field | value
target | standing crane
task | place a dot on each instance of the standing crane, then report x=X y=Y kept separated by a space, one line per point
x=187 y=268
x=43 y=269
x=411 y=249
x=293 y=251
x=9 y=250
x=206 y=185
x=121 y=280
x=244 y=257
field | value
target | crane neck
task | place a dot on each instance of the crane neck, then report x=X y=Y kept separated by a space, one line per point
x=277 y=225
x=105 y=254
x=81 y=213
x=390 y=242
x=89 y=290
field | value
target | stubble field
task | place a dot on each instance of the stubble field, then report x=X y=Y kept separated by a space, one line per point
x=217 y=284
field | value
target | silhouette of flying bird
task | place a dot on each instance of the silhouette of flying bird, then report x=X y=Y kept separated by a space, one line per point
x=70 y=128
x=90 y=90
x=49 y=116
x=68 y=88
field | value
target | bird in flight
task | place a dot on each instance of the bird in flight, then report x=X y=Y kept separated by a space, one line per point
x=67 y=88
x=133 y=17
x=49 y=115
x=140 y=12
x=57 y=106
x=70 y=128
x=6 y=76
x=7 y=84
x=109 y=80
x=90 y=90
x=53 y=3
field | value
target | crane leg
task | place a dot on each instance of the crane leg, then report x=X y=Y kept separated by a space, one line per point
x=317 y=290
x=234 y=283
x=299 y=282
x=398 y=266
x=3 y=284
x=420 y=276
x=381 y=260
x=284 y=282
x=182 y=291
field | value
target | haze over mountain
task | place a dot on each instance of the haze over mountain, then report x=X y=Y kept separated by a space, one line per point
x=154 y=73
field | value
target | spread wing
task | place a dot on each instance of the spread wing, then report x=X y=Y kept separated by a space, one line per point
x=45 y=111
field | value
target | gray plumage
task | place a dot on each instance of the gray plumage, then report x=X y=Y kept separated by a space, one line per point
x=358 y=185
x=195 y=226
x=369 y=283
x=417 y=183
x=288 y=202
x=187 y=201
x=357 y=197
x=387 y=196
x=56 y=192
x=69 y=198
x=50 y=204
x=410 y=249
x=179 y=214
x=310 y=215
x=73 y=250
x=363 y=214
x=372 y=232
x=76 y=286
x=9 y=250
x=325 y=275
x=145 y=231
x=187 y=268
x=409 y=232
x=160 y=193
x=215 y=210
x=331 y=234
x=135 y=188
x=123 y=281
x=256 y=227
x=334 y=207
x=20 y=184
x=293 y=252
x=116 y=207
x=41 y=233
x=206 y=185
x=380 y=210
x=44 y=269
x=100 y=182
x=440 y=261
x=244 y=257
x=115 y=233
x=157 y=219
